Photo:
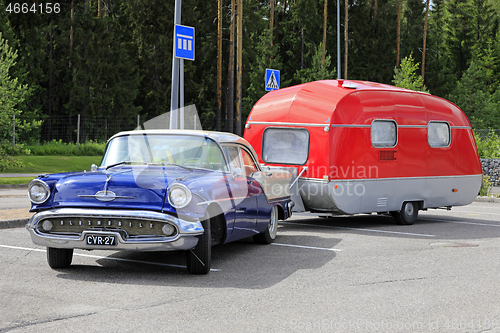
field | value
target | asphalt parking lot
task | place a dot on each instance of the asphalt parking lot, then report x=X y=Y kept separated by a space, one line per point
x=345 y=274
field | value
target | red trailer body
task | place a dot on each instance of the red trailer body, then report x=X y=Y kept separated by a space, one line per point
x=362 y=147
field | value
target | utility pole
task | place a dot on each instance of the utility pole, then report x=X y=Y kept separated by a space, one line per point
x=346 y=37
x=338 y=40
x=398 y=32
x=425 y=42
x=239 y=64
x=230 y=74
x=219 y=65
x=324 y=31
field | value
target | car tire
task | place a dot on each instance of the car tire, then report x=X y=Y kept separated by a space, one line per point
x=268 y=236
x=408 y=214
x=199 y=258
x=59 y=258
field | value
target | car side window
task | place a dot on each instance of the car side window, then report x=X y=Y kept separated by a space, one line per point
x=248 y=164
x=233 y=157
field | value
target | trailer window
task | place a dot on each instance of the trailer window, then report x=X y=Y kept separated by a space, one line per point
x=438 y=134
x=384 y=133
x=285 y=145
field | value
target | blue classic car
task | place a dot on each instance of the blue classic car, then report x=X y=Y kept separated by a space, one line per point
x=160 y=190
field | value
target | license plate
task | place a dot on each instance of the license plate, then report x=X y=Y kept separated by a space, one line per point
x=100 y=240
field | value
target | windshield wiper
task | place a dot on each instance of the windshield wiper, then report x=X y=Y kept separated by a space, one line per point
x=124 y=162
x=174 y=164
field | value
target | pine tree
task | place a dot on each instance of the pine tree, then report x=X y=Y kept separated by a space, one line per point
x=406 y=76
x=318 y=70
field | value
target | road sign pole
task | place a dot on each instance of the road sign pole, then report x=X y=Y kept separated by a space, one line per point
x=181 y=86
x=174 y=96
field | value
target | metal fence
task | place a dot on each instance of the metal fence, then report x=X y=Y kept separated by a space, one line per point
x=80 y=129
x=483 y=133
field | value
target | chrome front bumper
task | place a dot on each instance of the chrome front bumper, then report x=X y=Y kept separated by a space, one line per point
x=184 y=238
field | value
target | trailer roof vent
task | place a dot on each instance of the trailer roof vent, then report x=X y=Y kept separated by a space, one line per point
x=350 y=85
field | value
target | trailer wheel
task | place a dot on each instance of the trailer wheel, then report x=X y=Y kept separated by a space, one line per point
x=408 y=214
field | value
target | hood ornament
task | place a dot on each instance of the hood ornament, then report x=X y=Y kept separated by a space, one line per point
x=106 y=195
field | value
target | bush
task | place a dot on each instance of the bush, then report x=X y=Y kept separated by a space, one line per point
x=7 y=161
x=485 y=186
x=60 y=148
x=489 y=146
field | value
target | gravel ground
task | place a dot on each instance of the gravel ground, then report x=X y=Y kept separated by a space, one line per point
x=16 y=213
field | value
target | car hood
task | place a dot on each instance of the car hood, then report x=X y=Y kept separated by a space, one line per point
x=132 y=187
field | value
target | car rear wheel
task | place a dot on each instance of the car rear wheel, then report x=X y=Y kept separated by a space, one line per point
x=199 y=258
x=268 y=236
x=408 y=214
x=59 y=258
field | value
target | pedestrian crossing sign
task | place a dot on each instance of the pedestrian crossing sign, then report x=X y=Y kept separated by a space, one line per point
x=272 y=79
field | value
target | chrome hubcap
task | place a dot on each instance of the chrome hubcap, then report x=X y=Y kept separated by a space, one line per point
x=409 y=209
x=272 y=227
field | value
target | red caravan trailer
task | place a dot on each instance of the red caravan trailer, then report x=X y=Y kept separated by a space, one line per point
x=363 y=147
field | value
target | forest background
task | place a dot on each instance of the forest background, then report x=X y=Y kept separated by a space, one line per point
x=109 y=61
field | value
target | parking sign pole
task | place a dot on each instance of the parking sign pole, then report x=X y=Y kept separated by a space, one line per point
x=181 y=95
x=174 y=96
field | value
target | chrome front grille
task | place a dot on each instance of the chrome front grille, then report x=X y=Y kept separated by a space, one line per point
x=132 y=227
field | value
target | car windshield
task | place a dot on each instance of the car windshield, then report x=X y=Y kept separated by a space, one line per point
x=164 y=149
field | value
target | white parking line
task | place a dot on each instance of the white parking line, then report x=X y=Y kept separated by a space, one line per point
x=461 y=222
x=472 y=212
x=358 y=229
x=308 y=247
x=100 y=257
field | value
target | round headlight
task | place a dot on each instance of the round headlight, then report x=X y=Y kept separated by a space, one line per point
x=38 y=191
x=179 y=195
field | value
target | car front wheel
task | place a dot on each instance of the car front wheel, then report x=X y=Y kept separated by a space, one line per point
x=199 y=258
x=268 y=236
x=59 y=258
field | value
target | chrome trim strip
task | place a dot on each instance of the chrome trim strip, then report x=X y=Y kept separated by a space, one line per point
x=320 y=180
x=286 y=124
x=412 y=126
x=220 y=200
x=351 y=125
x=339 y=125
x=100 y=196
x=398 y=178
x=370 y=179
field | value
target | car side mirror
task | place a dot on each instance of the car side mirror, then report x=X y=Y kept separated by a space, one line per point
x=238 y=172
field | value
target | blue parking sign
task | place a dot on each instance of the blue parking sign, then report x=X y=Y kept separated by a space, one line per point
x=184 y=42
x=272 y=79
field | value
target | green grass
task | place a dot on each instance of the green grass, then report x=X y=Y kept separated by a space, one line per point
x=15 y=180
x=53 y=164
